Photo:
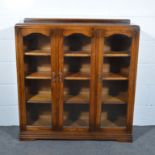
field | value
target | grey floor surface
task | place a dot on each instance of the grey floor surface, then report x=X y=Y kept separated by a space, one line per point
x=143 y=144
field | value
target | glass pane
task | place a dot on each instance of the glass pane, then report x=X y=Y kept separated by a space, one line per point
x=77 y=68
x=115 y=73
x=39 y=115
x=77 y=43
x=77 y=52
x=38 y=102
x=38 y=91
x=113 y=115
x=115 y=92
x=37 y=67
x=117 y=42
x=76 y=116
x=38 y=80
x=36 y=42
x=116 y=68
x=114 y=103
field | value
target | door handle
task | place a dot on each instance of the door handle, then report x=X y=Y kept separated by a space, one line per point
x=60 y=76
x=53 y=77
x=100 y=77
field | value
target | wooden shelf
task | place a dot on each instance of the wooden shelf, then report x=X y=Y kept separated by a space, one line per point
x=108 y=99
x=87 y=54
x=81 y=121
x=39 y=75
x=38 y=53
x=77 y=76
x=43 y=120
x=77 y=53
x=119 y=122
x=113 y=116
x=42 y=97
x=114 y=76
x=82 y=98
x=117 y=54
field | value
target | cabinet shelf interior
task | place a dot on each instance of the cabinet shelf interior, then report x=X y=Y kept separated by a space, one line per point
x=76 y=68
x=116 y=68
x=39 y=115
x=38 y=91
x=40 y=97
x=117 y=43
x=113 y=115
x=77 y=76
x=76 y=116
x=114 y=76
x=115 y=92
x=36 y=42
x=37 y=67
x=81 y=98
x=77 y=92
x=77 y=42
x=119 y=99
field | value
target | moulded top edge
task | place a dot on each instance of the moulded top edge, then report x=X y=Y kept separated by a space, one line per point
x=70 y=20
x=56 y=25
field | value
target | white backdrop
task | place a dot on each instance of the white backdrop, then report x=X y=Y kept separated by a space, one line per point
x=141 y=12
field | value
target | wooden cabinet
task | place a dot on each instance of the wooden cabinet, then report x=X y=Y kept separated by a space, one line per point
x=76 y=78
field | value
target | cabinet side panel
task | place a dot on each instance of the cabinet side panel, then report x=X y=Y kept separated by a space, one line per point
x=20 y=76
x=132 y=77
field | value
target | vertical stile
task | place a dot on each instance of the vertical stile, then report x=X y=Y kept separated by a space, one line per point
x=60 y=58
x=92 y=83
x=21 y=78
x=132 y=77
x=54 y=79
x=99 y=61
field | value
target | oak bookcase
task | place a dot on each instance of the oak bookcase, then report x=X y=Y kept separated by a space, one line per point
x=76 y=78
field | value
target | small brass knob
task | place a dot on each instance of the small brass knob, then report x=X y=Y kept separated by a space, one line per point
x=60 y=76
x=53 y=77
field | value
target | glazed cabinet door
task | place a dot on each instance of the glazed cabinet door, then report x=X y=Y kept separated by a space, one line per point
x=36 y=65
x=76 y=79
x=117 y=62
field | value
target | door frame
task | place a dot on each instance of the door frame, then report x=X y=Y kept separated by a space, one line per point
x=61 y=33
x=21 y=32
x=133 y=32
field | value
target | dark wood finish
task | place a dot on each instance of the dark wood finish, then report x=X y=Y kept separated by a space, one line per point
x=76 y=78
x=54 y=84
x=38 y=53
x=132 y=78
x=57 y=20
x=20 y=76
